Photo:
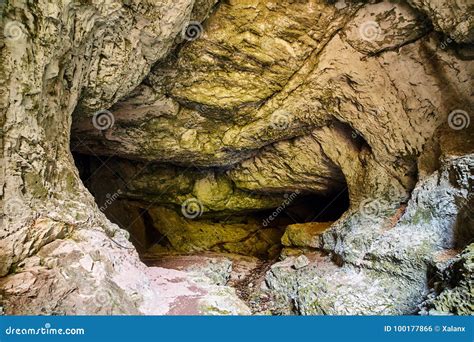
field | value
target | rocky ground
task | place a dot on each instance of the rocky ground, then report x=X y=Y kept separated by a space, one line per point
x=237 y=157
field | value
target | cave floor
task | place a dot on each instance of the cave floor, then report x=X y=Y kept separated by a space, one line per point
x=245 y=274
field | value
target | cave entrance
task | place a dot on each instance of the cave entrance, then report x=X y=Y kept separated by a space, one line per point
x=161 y=228
x=310 y=207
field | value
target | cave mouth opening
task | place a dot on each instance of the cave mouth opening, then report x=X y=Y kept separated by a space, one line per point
x=309 y=207
x=160 y=229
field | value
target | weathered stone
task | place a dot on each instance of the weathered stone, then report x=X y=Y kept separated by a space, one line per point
x=385 y=26
x=287 y=252
x=211 y=267
x=333 y=88
x=454 y=292
x=385 y=262
x=188 y=235
x=309 y=169
x=451 y=17
x=304 y=234
x=271 y=98
x=53 y=54
x=172 y=185
x=300 y=262
x=101 y=279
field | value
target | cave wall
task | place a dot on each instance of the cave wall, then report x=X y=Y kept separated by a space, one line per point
x=269 y=98
x=62 y=254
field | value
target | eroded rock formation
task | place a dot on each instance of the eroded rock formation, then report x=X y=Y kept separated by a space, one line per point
x=197 y=137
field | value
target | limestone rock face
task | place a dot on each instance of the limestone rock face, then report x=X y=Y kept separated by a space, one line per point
x=334 y=70
x=304 y=234
x=53 y=54
x=310 y=169
x=454 y=18
x=186 y=235
x=131 y=47
x=172 y=185
x=48 y=62
x=453 y=290
x=385 y=260
x=105 y=277
x=193 y=123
